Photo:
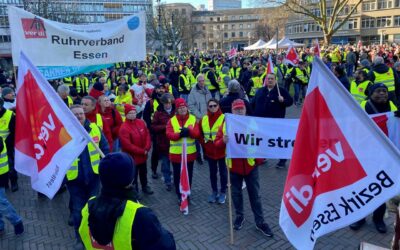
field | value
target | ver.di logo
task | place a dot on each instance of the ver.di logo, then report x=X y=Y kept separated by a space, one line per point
x=33 y=28
x=133 y=23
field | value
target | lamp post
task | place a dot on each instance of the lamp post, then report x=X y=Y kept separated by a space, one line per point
x=173 y=33
x=382 y=37
x=159 y=27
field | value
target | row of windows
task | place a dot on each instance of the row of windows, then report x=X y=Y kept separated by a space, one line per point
x=231 y=18
x=380 y=4
x=5 y=39
x=226 y=27
x=329 y=10
x=367 y=22
x=226 y=35
x=385 y=21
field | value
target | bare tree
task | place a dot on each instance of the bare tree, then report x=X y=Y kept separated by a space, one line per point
x=175 y=30
x=329 y=15
x=55 y=10
x=272 y=18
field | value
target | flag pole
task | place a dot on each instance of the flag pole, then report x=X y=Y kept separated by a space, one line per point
x=277 y=47
x=97 y=147
x=230 y=207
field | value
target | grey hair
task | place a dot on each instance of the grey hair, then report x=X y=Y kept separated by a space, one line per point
x=63 y=89
x=378 y=60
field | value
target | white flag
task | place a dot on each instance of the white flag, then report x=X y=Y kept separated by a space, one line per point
x=49 y=137
x=343 y=166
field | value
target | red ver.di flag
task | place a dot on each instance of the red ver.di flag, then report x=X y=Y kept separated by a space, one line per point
x=343 y=166
x=48 y=137
x=184 y=186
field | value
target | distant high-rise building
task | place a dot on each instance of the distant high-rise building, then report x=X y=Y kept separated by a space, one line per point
x=224 y=4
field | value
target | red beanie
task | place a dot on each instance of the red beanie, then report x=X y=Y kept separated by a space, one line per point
x=129 y=107
x=238 y=103
x=179 y=102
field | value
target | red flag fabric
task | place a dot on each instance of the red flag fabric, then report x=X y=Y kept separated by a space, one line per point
x=317 y=51
x=339 y=165
x=292 y=57
x=359 y=44
x=269 y=69
x=54 y=139
x=232 y=53
x=184 y=186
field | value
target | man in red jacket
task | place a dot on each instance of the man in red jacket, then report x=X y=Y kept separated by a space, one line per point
x=247 y=170
x=135 y=140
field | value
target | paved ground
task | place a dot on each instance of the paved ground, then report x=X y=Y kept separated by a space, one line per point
x=206 y=227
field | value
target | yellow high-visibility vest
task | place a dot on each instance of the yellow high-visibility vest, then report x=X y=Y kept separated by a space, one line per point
x=221 y=83
x=122 y=238
x=82 y=84
x=5 y=123
x=4 y=168
x=358 y=91
x=257 y=84
x=385 y=78
x=211 y=133
x=95 y=133
x=392 y=106
x=207 y=82
x=176 y=146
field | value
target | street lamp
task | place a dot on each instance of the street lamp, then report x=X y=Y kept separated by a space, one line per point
x=382 y=37
x=173 y=33
x=159 y=26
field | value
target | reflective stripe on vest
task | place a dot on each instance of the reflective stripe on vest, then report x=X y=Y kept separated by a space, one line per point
x=186 y=82
x=221 y=83
x=95 y=133
x=210 y=134
x=4 y=124
x=82 y=85
x=257 y=83
x=4 y=160
x=207 y=82
x=392 y=106
x=67 y=81
x=176 y=146
x=70 y=101
x=357 y=91
x=122 y=238
x=300 y=75
x=385 y=78
x=234 y=73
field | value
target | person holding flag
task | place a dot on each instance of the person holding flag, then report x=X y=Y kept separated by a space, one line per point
x=271 y=101
x=82 y=178
x=244 y=170
x=182 y=125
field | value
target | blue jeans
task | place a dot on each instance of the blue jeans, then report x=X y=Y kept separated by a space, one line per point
x=7 y=210
x=184 y=96
x=253 y=188
x=297 y=89
x=166 y=169
x=79 y=195
x=116 y=145
x=215 y=167
x=349 y=69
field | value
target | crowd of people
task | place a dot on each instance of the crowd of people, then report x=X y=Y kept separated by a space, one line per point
x=145 y=110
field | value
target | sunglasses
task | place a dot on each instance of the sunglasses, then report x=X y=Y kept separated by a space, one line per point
x=213 y=106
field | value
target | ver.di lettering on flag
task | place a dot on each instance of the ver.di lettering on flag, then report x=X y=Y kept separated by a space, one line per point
x=49 y=136
x=337 y=175
x=184 y=186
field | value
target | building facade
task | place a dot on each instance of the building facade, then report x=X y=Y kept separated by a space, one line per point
x=224 y=29
x=224 y=4
x=374 y=21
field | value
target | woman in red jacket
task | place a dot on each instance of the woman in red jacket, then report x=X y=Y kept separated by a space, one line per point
x=135 y=140
x=215 y=156
x=182 y=125
x=112 y=119
x=164 y=112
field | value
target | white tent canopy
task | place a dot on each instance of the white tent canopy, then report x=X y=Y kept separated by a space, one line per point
x=284 y=43
x=255 y=46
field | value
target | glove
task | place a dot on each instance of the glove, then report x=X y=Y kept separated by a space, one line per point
x=184 y=132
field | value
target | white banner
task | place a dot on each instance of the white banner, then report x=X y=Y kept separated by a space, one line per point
x=50 y=43
x=254 y=137
x=273 y=138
